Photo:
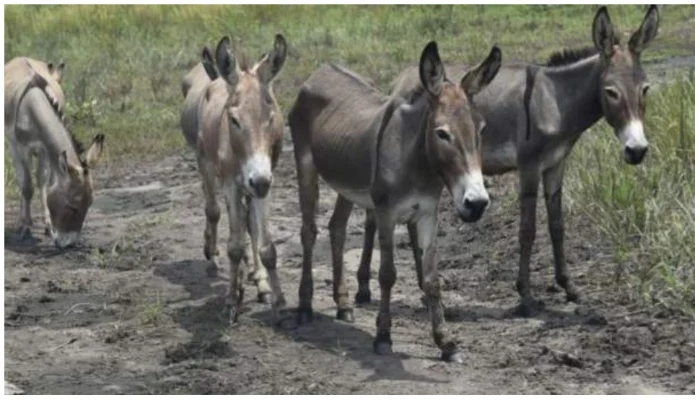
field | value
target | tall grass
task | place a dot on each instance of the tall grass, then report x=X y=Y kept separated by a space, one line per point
x=646 y=211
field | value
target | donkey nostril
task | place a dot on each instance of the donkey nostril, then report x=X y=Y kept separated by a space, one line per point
x=635 y=155
x=260 y=186
x=476 y=206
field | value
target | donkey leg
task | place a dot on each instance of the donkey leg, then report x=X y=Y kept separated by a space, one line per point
x=42 y=181
x=211 y=206
x=24 y=181
x=529 y=182
x=552 y=180
x=387 y=278
x=336 y=228
x=257 y=218
x=363 y=295
x=264 y=249
x=307 y=177
x=417 y=257
x=426 y=240
x=235 y=248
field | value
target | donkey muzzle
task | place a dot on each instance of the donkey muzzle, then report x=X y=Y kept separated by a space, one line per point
x=259 y=185
x=636 y=155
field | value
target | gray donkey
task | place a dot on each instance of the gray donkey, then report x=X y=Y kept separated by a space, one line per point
x=34 y=126
x=534 y=115
x=394 y=156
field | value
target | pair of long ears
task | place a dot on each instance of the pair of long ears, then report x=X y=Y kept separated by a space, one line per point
x=92 y=158
x=225 y=65
x=57 y=70
x=605 y=38
x=433 y=77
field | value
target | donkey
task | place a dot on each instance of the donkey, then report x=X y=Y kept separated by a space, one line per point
x=534 y=115
x=34 y=126
x=393 y=156
x=232 y=120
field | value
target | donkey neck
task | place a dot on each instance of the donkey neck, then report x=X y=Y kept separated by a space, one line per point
x=412 y=141
x=48 y=127
x=577 y=91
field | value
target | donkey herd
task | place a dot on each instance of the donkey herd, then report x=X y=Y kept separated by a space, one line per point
x=441 y=126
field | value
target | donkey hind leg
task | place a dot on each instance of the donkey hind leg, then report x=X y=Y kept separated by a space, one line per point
x=211 y=207
x=24 y=181
x=307 y=176
x=42 y=177
x=363 y=295
x=529 y=182
x=235 y=247
x=336 y=228
x=552 y=180
x=387 y=278
x=426 y=235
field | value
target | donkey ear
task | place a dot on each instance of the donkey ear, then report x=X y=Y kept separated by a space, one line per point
x=431 y=70
x=646 y=32
x=226 y=62
x=271 y=63
x=66 y=168
x=95 y=151
x=603 y=32
x=478 y=77
x=208 y=64
x=58 y=71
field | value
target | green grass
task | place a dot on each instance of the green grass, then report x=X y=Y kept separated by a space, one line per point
x=125 y=63
x=646 y=211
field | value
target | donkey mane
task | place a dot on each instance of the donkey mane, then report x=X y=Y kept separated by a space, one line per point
x=570 y=56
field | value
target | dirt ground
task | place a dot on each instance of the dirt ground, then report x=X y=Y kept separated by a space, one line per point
x=133 y=310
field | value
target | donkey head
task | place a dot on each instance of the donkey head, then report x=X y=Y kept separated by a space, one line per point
x=623 y=81
x=70 y=193
x=255 y=122
x=454 y=128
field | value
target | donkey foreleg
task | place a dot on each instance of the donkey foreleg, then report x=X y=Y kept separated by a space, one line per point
x=529 y=182
x=235 y=248
x=387 y=278
x=24 y=182
x=42 y=178
x=426 y=237
x=337 y=227
x=363 y=295
x=552 y=180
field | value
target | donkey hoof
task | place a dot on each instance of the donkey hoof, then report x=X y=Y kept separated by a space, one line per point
x=383 y=348
x=573 y=295
x=304 y=316
x=232 y=316
x=212 y=270
x=452 y=357
x=265 y=298
x=529 y=307
x=209 y=254
x=346 y=315
x=363 y=297
x=47 y=231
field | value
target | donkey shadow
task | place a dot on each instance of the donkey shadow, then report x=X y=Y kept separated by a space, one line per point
x=208 y=322
x=40 y=246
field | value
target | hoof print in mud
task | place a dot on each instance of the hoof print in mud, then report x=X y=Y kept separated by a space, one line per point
x=345 y=315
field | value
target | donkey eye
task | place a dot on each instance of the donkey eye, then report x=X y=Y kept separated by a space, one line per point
x=612 y=93
x=442 y=134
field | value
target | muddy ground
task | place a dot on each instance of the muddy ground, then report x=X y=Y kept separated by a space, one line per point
x=133 y=310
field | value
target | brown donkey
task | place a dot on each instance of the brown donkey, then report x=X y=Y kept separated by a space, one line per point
x=534 y=115
x=233 y=121
x=393 y=156
x=34 y=126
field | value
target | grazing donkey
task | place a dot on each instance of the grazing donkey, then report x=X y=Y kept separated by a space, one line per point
x=232 y=120
x=34 y=103
x=393 y=156
x=534 y=115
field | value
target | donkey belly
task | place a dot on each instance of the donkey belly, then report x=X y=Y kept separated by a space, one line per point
x=360 y=197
